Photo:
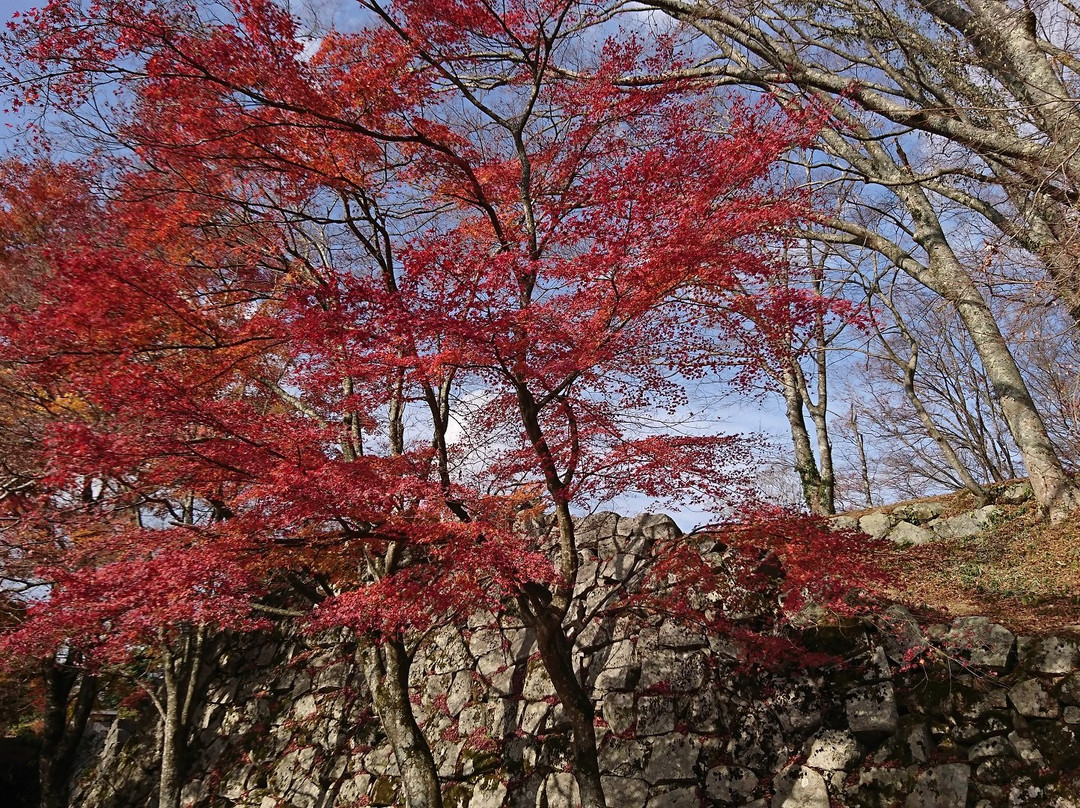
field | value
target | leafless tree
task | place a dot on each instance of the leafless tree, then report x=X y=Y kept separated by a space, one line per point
x=923 y=98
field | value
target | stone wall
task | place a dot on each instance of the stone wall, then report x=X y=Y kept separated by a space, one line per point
x=927 y=520
x=963 y=715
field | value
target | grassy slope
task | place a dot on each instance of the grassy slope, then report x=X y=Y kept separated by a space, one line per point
x=1022 y=572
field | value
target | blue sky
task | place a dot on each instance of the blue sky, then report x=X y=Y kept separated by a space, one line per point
x=10 y=129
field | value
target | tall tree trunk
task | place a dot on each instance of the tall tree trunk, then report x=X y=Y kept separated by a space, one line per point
x=386 y=666
x=805 y=463
x=543 y=610
x=173 y=745
x=557 y=655
x=1053 y=488
x=819 y=410
x=185 y=681
x=944 y=274
x=60 y=735
x=1028 y=75
x=826 y=494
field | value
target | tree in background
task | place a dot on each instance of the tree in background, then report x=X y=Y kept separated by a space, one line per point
x=885 y=70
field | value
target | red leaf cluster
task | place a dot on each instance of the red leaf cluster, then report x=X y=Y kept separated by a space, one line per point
x=333 y=317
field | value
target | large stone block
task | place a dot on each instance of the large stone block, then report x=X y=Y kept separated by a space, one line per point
x=656 y=715
x=1031 y=700
x=920 y=512
x=730 y=784
x=561 y=791
x=655 y=526
x=797 y=704
x=907 y=533
x=622 y=757
x=875 y=524
x=833 y=750
x=673 y=757
x=674 y=634
x=1069 y=690
x=941 y=787
x=800 y=787
x=675 y=798
x=995 y=746
x=700 y=712
x=1026 y=749
x=488 y=793
x=879 y=788
x=902 y=636
x=1052 y=655
x=758 y=742
x=631 y=792
x=966 y=525
x=985 y=644
x=618 y=711
x=872 y=712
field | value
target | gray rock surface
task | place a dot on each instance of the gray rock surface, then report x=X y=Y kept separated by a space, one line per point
x=907 y=533
x=875 y=524
x=942 y=787
x=730 y=784
x=1032 y=700
x=800 y=787
x=1053 y=655
x=871 y=711
x=925 y=716
x=983 y=643
x=833 y=750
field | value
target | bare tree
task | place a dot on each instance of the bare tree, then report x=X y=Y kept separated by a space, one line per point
x=882 y=71
x=926 y=401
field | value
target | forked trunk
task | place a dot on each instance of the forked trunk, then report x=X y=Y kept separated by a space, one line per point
x=1053 y=488
x=186 y=678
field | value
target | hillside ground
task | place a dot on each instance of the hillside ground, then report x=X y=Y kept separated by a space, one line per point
x=1023 y=572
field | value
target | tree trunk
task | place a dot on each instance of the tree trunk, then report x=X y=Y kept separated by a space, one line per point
x=1053 y=488
x=60 y=736
x=557 y=655
x=172 y=753
x=185 y=681
x=865 y=151
x=805 y=463
x=825 y=500
x=946 y=276
x=386 y=669
x=544 y=612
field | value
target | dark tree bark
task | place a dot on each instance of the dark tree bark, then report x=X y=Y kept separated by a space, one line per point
x=64 y=724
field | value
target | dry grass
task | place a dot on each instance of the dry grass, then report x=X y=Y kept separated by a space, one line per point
x=1023 y=572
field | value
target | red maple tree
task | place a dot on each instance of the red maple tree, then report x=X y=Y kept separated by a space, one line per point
x=312 y=266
